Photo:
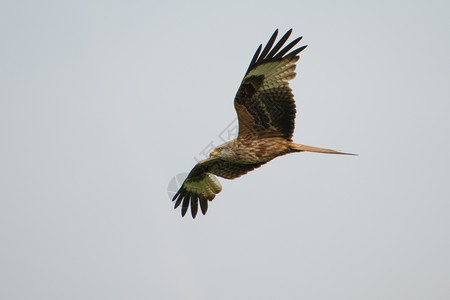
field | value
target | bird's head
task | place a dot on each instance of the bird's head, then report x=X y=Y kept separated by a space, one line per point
x=222 y=151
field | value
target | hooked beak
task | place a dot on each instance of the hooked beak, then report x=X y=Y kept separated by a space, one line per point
x=213 y=153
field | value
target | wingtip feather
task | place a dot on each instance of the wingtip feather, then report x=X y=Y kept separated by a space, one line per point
x=271 y=52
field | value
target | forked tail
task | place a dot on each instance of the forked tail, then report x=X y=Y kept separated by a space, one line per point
x=298 y=147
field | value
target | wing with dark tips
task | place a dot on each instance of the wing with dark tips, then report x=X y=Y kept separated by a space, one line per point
x=202 y=186
x=264 y=102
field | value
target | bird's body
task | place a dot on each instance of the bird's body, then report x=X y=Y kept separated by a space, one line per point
x=254 y=150
x=266 y=112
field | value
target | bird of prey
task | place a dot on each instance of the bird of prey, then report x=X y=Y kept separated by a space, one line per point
x=265 y=108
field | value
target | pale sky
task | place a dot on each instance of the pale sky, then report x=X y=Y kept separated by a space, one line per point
x=102 y=103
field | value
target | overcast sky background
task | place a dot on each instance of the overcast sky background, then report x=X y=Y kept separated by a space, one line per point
x=103 y=102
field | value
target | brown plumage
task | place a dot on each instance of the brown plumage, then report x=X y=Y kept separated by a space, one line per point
x=266 y=111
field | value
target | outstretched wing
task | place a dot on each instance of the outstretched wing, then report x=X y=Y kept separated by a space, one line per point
x=202 y=186
x=264 y=102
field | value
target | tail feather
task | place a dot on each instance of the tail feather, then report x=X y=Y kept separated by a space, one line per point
x=298 y=147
